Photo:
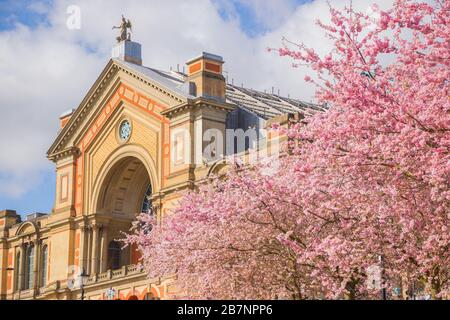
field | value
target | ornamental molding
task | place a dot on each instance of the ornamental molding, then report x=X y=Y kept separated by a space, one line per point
x=152 y=84
x=92 y=97
x=68 y=152
x=201 y=102
x=28 y=235
x=82 y=110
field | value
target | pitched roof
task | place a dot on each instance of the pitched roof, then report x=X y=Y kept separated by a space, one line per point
x=267 y=105
x=168 y=80
x=262 y=104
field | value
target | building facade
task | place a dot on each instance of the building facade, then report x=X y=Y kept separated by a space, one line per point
x=135 y=142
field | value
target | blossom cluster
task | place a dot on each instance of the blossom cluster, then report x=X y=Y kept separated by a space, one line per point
x=364 y=184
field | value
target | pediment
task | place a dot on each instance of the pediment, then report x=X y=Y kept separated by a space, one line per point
x=27 y=228
x=118 y=82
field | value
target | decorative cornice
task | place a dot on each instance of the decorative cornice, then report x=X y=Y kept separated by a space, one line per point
x=34 y=234
x=83 y=108
x=71 y=151
x=152 y=85
x=92 y=96
x=198 y=103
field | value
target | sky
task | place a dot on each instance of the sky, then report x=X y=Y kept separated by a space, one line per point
x=48 y=67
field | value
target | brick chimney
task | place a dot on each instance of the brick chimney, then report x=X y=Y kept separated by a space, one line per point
x=8 y=218
x=205 y=77
x=65 y=117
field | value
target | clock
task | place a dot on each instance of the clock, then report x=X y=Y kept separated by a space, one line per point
x=124 y=130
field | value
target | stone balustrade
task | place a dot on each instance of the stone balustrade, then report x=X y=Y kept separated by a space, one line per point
x=124 y=272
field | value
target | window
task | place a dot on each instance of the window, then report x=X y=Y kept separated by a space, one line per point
x=114 y=255
x=44 y=266
x=147 y=202
x=29 y=268
x=125 y=130
x=147 y=208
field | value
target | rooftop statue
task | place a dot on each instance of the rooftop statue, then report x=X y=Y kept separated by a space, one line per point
x=124 y=26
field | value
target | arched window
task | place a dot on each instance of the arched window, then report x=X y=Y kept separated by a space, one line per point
x=29 y=268
x=114 y=255
x=44 y=266
x=147 y=207
x=147 y=202
x=16 y=272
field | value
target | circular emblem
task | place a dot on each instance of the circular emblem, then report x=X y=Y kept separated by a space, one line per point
x=125 y=130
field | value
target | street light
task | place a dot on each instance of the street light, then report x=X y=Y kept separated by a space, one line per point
x=110 y=294
x=383 y=288
x=83 y=281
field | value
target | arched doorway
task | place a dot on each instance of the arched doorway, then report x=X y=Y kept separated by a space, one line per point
x=124 y=192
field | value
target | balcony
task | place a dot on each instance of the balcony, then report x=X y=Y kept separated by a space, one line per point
x=24 y=294
x=64 y=289
x=124 y=272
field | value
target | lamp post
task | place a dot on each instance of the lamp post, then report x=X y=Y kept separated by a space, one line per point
x=383 y=287
x=110 y=294
x=83 y=280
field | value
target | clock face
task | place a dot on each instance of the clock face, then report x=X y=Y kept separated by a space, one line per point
x=125 y=130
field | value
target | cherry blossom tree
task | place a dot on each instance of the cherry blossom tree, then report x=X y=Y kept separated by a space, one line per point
x=364 y=184
x=222 y=240
x=377 y=163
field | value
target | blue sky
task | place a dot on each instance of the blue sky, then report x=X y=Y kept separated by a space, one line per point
x=40 y=197
x=34 y=14
x=42 y=61
x=28 y=12
x=250 y=22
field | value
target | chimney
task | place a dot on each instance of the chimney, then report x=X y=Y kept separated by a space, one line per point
x=128 y=51
x=205 y=77
x=8 y=218
x=65 y=117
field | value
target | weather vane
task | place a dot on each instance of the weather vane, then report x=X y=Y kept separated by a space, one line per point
x=124 y=26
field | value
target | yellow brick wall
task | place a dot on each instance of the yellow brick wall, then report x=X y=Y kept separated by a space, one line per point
x=141 y=135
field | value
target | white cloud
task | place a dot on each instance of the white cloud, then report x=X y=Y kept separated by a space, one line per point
x=266 y=14
x=39 y=7
x=48 y=70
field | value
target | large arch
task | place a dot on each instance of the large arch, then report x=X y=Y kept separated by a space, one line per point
x=119 y=191
x=122 y=180
x=123 y=188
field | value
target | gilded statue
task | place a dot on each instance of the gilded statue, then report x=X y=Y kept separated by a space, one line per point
x=124 y=27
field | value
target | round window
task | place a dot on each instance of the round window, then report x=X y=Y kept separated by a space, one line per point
x=125 y=130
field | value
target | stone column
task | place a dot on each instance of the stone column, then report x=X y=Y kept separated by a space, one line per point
x=20 y=283
x=37 y=251
x=89 y=251
x=95 y=253
x=82 y=263
x=104 y=246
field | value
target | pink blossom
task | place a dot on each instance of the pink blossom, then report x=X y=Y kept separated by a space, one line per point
x=369 y=178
